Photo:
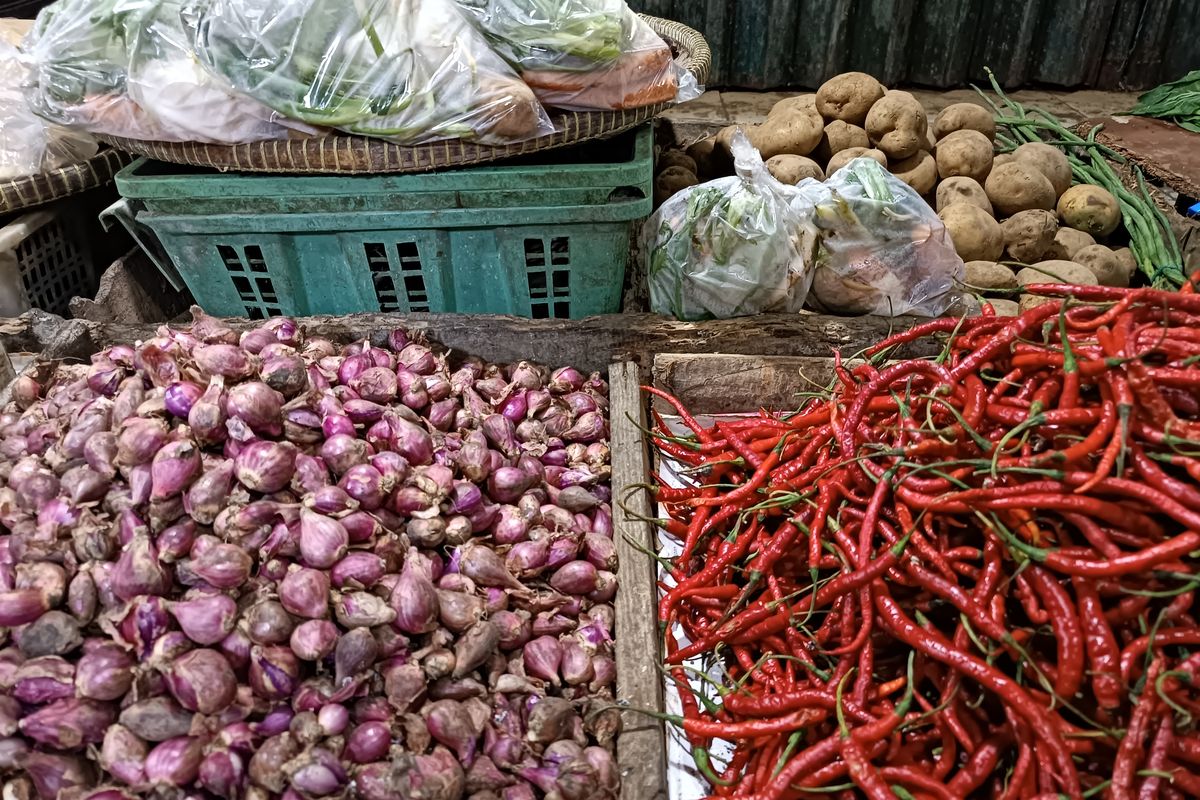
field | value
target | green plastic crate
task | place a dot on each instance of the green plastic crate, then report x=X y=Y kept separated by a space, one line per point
x=543 y=237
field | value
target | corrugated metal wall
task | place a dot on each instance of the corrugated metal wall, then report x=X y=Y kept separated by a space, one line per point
x=1103 y=44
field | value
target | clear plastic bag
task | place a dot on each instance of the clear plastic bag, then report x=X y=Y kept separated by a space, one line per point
x=730 y=247
x=28 y=144
x=125 y=68
x=584 y=55
x=882 y=250
x=411 y=71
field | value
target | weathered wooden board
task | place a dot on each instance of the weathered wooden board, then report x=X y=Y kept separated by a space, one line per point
x=641 y=748
x=589 y=344
x=725 y=384
x=1164 y=151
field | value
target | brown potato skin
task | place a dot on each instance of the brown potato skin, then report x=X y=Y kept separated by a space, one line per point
x=839 y=136
x=848 y=97
x=1090 y=209
x=843 y=158
x=897 y=124
x=966 y=154
x=1016 y=186
x=962 y=189
x=1029 y=235
x=670 y=181
x=976 y=236
x=791 y=169
x=1050 y=161
x=964 y=117
x=919 y=171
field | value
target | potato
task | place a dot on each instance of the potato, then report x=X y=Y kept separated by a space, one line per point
x=1029 y=301
x=677 y=158
x=1016 y=186
x=1091 y=209
x=965 y=154
x=962 y=190
x=794 y=133
x=976 y=236
x=670 y=181
x=1073 y=241
x=843 y=158
x=988 y=276
x=839 y=136
x=919 y=171
x=1002 y=158
x=806 y=103
x=964 y=117
x=1005 y=308
x=1127 y=259
x=791 y=169
x=848 y=97
x=1069 y=272
x=711 y=160
x=1104 y=264
x=1050 y=161
x=1028 y=235
x=897 y=124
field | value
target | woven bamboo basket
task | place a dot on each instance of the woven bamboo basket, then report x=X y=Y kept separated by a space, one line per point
x=351 y=155
x=20 y=194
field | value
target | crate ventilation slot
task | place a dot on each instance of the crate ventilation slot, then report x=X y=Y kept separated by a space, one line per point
x=248 y=271
x=548 y=273
x=410 y=278
x=54 y=267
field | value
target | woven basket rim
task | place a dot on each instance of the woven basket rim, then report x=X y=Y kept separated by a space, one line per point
x=355 y=155
x=31 y=191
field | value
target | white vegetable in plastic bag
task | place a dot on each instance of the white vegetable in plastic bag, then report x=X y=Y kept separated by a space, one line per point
x=410 y=71
x=28 y=144
x=730 y=247
x=583 y=54
x=883 y=250
x=125 y=68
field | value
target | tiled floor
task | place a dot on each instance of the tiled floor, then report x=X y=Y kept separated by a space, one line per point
x=717 y=109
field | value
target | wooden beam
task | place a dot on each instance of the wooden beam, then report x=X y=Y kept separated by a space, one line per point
x=641 y=747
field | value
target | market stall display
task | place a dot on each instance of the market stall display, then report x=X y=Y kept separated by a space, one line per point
x=1001 y=179
x=583 y=55
x=409 y=72
x=863 y=240
x=267 y=564
x=964 y=576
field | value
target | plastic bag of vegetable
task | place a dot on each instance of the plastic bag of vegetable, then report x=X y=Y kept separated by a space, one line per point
x=125 y=68
x=28 y=144
x=410 y=71
x=730 y=247
x=583 y=54
x=882 y=250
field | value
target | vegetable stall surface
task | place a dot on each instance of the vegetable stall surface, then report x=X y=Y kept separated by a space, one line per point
x=266 y=566
x=968 y=576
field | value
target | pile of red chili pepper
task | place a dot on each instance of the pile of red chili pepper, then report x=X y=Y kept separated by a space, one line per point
x=966 y=576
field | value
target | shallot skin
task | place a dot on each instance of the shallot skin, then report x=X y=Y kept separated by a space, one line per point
x=245 y=562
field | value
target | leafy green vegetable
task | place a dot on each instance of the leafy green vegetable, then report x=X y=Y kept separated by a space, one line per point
x=555 y=34
x=1177 y=101
x=408 y=70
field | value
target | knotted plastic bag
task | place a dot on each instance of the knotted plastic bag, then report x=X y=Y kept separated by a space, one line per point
x=583 y=54
x=882 y=250
x=730 y=247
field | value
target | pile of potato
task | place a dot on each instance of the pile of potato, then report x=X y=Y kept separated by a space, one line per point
x=1014 y=218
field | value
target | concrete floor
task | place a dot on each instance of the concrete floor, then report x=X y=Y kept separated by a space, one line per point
x=717 y=109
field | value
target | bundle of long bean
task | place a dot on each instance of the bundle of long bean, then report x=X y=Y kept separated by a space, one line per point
x=1150 y=236
x=966 y=576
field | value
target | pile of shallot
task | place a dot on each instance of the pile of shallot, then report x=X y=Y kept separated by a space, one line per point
x=262 y=565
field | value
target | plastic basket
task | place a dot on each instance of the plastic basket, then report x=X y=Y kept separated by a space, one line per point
x=45 y=260
x=545 y=237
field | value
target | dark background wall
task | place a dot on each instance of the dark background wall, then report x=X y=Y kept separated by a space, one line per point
x=1102 y=44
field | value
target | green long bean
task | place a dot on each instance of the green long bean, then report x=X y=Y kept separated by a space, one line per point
x=1150 y=236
